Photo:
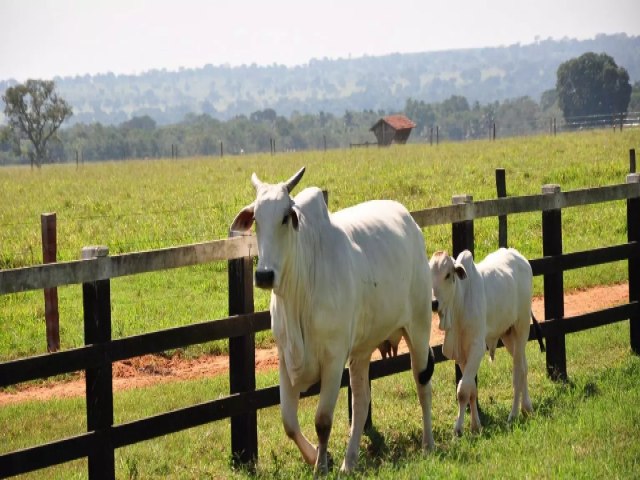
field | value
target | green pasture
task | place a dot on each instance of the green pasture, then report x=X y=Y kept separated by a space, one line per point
x=142 y=205
x=587 y=428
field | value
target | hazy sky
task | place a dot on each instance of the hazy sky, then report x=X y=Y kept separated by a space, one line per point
x=45 y=38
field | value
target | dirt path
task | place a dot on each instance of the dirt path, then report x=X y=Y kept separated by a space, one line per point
x=154 y=369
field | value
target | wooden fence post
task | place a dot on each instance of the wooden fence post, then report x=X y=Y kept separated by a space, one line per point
x=501 y=187
x=554 y=287
x=633 y=235
x=49 y=254
x=242 y=361
x=462 y=232
x=462 y=239
x=96 y=299
x=632 y=160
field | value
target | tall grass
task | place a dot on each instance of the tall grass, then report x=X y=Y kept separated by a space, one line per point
x=139 y=205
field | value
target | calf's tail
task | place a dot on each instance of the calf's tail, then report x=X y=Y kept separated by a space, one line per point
x=536 y=327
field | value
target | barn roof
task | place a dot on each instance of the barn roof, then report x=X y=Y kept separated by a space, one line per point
x=397 y=122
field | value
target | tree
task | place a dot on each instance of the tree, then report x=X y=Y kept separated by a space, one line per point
x=145 y=122
x=634 y=103
x=592 y=84
x=35 y=111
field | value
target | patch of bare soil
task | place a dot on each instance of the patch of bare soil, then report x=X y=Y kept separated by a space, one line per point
x=153 y=369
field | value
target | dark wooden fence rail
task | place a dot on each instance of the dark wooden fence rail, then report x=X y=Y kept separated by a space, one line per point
x=96 y=269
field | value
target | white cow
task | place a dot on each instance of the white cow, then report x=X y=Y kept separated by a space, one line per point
x=340 y=284
x=477 y=306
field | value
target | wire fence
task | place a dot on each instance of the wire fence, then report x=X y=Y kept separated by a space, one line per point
x=612 y=120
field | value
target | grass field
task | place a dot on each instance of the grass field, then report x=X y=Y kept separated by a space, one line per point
x=140 y=205
x=585 y=429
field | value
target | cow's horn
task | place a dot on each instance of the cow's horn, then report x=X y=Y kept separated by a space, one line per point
x=293 y=181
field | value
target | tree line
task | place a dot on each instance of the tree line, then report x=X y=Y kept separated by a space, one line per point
x=591 y=83
x=265 y=130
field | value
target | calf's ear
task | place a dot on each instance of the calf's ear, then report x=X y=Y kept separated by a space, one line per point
x=460 y=271
x=243 y=220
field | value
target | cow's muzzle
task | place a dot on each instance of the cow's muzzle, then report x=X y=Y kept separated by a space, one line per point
x=264 y=278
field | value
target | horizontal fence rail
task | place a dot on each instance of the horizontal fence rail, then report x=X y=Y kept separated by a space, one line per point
x=80 y=271
x=99 y=353
x=102 y=268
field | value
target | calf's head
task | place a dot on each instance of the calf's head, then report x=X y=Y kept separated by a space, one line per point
x=276 y=219
x=446 y=273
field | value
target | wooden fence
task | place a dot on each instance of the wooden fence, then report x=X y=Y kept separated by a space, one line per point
x=96 y=268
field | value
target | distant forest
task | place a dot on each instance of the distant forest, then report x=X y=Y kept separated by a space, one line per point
x=483 y=75
x=326 y=103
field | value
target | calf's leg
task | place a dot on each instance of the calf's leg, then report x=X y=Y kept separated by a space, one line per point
x=467 y=391
x=509 y=341
x=520 y=365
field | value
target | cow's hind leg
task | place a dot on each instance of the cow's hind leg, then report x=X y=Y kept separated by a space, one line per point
x=422 y=366
x=289 y=398
x=361 y=397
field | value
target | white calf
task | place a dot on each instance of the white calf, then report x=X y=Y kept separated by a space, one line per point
x=477 y=306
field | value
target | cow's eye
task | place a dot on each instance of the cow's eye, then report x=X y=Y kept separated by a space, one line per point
x=285 y=219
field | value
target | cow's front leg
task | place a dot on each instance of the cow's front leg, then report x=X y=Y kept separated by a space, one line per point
x=289 y=398
x=467 y=391
x=361 y=397
x=330 y=379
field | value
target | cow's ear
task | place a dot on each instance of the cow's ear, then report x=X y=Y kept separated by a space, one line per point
x=460 y=271
x=294 y=218
x=243 y=220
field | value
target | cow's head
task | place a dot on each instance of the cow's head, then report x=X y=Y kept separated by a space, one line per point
x=276 y=219
x=446 y=273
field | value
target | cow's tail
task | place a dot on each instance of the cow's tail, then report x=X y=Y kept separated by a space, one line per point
x=536 y=327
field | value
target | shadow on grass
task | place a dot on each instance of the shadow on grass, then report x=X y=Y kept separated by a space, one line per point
x=395 y=449
x=392 y=449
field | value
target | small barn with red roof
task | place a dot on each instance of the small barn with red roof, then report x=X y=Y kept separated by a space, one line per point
x=392 y=129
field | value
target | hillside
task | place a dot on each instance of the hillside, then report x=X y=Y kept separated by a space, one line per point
x=335 y=86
